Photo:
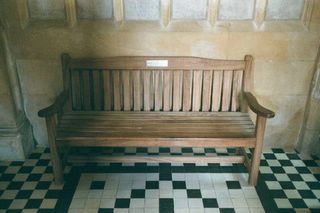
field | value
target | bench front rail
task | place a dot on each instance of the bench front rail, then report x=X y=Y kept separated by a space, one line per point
x=156 y=102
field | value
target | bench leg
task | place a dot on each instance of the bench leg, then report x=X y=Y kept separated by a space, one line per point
x=55 y=158
x=255 y=162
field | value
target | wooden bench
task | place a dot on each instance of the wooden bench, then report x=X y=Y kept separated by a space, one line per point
x=157 y=102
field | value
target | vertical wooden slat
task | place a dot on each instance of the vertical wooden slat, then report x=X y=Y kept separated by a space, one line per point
x=236 y=90
x=206 y=90
x=196 y=93
x=76 y=98
x=107 y=90
x=157 y=78
x=147 y=94
x=97 y=90
x=127 y=94
x=187 y=90
x=227 y=88
x=86 y=90
x=216 y=90
x=177 y=89
x=137 y=91
x=116 y=90
x=167 y=90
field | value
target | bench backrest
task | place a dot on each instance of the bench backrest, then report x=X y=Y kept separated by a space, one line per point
x=156 y=83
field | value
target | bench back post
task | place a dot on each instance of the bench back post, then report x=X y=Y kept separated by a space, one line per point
x=246 y=86
x=65 y=60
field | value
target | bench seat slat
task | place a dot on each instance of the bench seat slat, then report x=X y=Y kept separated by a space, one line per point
x=154 y=141
x=168 y=126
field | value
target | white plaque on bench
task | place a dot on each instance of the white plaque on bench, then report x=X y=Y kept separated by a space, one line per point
x=157 y=63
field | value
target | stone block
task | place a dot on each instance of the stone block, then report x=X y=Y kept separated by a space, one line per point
x=284 y=9
x=236 y=10
x=46 y=9
x=292 y=77
x=189 y=9
x=94 y=9
x=313 y=117
x=142 y=9
x=283 y=129
x=40 y=77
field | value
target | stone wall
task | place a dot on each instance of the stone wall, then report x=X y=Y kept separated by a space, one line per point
x=309 y=141
x=284 y=50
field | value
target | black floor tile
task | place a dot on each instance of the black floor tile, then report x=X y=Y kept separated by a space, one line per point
x=210 y=203
x=152 y=185
x=97 y=184
x=122 y=203
x=179 y=185
x=138 y=193
x=193 y=193
x=233 y=185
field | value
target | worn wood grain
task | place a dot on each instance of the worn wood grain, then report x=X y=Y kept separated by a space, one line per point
x=236 y=91
x=167 y=90
x=206 y=90
x=187 y=90
x=147 y=91
x=127 y=91
x=107 y=90
x=157 y=79
x=139 y=63
x=76 y=96
x=86 y=91
x=197 y=90
x=116 y=90
x=227 y=90
x=177 y=90
x=137 y=90
x=217 y=90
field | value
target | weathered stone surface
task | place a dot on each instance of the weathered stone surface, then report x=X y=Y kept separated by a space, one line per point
x=284 y=9
x=297 y=74
x=236 y=10
x=142 y=9
x=46 y=9
x=283 y=129
x=94 y=9
x=189 y=9
x=6 y=104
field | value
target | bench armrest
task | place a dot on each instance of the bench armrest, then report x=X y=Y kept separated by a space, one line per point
x=55 y=107
x=256 y=107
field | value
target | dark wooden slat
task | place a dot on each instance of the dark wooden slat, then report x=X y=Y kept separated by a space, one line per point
x=76 y=98
x=137 y=91
x=97 y=90
x=116 y=90
x=158 y=142
x=127 y=91
x=86 y=90
x=107 y=90
x=153 y=159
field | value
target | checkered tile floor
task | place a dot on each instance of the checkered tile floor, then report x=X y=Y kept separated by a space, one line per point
x=288 y=182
